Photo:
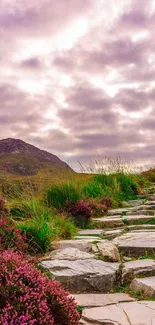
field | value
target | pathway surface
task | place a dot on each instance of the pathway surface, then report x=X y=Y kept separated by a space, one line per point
x=119 y=252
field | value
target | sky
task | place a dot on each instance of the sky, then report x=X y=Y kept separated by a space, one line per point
x=77 y=77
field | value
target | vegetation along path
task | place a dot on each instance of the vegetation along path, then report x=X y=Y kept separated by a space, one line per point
x=111 y=269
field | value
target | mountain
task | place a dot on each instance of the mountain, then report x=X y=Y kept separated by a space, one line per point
x=21 y=158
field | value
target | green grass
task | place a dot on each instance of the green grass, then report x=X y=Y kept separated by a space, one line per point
x=41 y=227
x=58 y=195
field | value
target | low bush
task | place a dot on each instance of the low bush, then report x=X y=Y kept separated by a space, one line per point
x=92 y=190
x=98 y=209
x=58 y=195
x=65 y=228
x=107 y=201
x=128 y=186
x=27 y=297
x=149 y=175
x=10 y=235
x=81 y=213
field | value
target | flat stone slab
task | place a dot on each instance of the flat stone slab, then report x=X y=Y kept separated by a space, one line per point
x=91 y=232
x=126 y=313
x=84 y=275
x=143 y=267
x=108 y=222
x=144 y=285
x=140 y=227
x=136 y=243
x=113 y=233
x=71 y=254
x=123 y=210
x=89 y=238
x=101 y=299
x=82 y=244
x=118 y=221
x=135 y=203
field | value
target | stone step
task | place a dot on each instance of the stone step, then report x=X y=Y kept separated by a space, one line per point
x=120 y=211
x=118 y=221
x=150 y=203
x=147 y=209
x=144 y=285
x=140 y=227
x=123 y=313
x=88 y=300
x=90 y=232
x=88 y=275
x=131 y=269
x=135 y=203
x=146 y=212
x=113 y=233
x=151 y=197
x=136 y=244
x=90 y=238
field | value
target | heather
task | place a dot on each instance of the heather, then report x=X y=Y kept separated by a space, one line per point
x=27 y=297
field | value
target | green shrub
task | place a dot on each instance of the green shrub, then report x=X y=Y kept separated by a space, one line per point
x=65 y=228
x=39 y=234
x=92 y=190
x=41 y=231
x=58 y=195
x=128 y=186
x=105 y=180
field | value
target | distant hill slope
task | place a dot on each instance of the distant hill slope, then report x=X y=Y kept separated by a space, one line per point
x=21 y=158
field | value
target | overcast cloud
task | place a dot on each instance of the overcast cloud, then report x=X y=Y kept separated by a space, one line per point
x=78 y=77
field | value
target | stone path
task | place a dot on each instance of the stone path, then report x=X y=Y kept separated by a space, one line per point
x=119 y=252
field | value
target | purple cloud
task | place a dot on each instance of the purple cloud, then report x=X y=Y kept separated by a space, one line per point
x=78 y=79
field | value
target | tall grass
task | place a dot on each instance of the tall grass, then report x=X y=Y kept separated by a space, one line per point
x=42 y=228
x=58 y=195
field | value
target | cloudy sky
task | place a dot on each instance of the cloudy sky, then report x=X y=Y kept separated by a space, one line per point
x=77 y=77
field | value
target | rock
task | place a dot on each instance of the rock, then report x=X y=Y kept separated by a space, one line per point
x=108 y=222
x=101 y=300
x=82 y=245
x=126 y=259
x=135 y=203
x=113 y=233
x=91 y=232
x=118 y=221
x=89 y=238
x=71 y=254
x=140 y=227
x=84 y=275
x=136 y=244
x=126 y=313
x=123 y=210
x=133 y=219
x=109 y=251
x=143 y=267
x=145 y=285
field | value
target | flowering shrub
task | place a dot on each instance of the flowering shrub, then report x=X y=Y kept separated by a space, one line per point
x=10 y=236
x=29 y=298
x=98 y=208
x=107 y=201
x=81 y=212
x=3 y=208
